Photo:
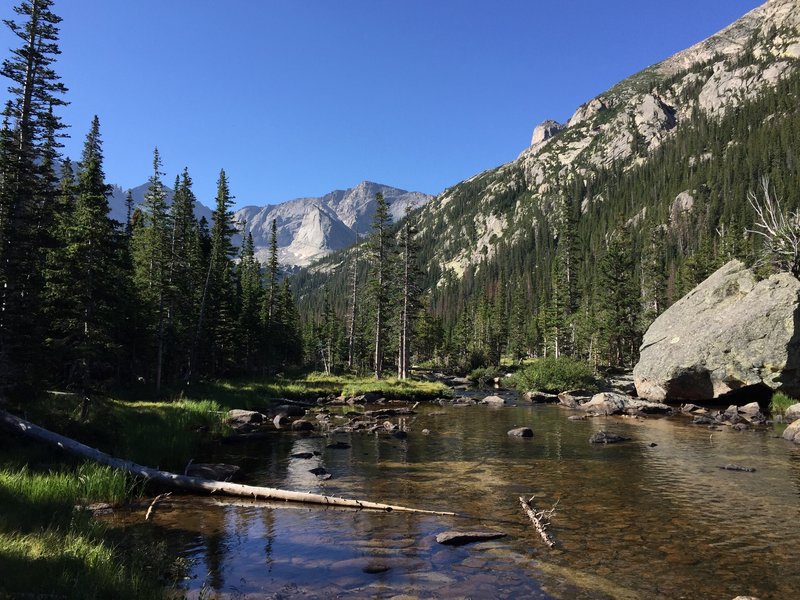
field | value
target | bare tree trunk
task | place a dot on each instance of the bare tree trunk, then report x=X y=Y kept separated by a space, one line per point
x=194 y=484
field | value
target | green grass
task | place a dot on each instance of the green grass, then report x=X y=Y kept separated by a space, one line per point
x=554 y=375
x=50 y=546
x=780 y=402
x=396 y=389
x=260 y=395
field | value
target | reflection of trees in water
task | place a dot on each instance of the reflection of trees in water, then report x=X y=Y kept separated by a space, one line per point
x=268 y=519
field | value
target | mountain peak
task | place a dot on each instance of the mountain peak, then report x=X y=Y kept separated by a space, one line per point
x=310 y=228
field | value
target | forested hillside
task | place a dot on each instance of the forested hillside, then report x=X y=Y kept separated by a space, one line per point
x=581 y=266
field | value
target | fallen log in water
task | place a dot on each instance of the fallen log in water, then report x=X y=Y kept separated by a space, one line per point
x=195 y=484
x=540 y=520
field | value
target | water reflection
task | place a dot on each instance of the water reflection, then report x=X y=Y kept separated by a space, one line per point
x=652 y=518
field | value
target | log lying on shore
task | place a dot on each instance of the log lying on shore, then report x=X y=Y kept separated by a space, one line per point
x=540 y=520
x=195 y=484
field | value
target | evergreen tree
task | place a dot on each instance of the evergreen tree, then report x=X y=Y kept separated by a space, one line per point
x=327 y=333
x=619 y=300
x=250 y=301
x=221 y=289
x=186 y=273
x=28 y=150
x=271 y=295
x=380 y=278
x=86 y=316
x=517 y=342
x=151 y=254
x=409 y=295
x=287 y=326
x=128 y=212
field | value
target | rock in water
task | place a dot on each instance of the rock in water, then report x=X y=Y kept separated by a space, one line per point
x=459 y=538
x=792 y=432
x=727 y=334
x=493 y=401
x=603 y=437
x=524 y=432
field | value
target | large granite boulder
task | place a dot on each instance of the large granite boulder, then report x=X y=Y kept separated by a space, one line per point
x=727 y=334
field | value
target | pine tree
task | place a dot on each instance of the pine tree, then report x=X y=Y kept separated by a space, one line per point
x=28 y=148
x=186 y=272
x=287 y=326
x=150 y=250
x=619 y=300
x=380 y=278
x=250 y=300
x=327 y=333
x=221 y=289
x=517 y=342
x=87 y=318
x=129 y=212
x=409 y=295
x=271 y=294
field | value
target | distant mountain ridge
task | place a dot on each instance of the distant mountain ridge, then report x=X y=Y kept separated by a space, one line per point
x=310 y=228
x=307 y=228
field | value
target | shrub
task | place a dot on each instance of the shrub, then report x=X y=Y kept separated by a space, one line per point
x=780 y=402
x=484 y=375
x=555 y=375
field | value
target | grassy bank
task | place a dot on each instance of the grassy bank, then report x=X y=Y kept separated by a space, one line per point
x=50 y=547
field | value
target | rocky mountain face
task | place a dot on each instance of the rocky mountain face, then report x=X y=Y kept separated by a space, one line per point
x=621 y=128
x=310 y=228
x=307 y=228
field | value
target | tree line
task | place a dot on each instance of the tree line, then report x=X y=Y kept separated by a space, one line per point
x=87 y=301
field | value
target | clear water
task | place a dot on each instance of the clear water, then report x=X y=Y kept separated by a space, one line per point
x=652 y=518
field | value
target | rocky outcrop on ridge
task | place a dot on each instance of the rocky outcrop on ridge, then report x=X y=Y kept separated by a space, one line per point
x=729 y=333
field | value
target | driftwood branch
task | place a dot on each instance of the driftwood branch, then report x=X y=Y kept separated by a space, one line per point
x=152 y=506
x=540 y=519
x=195 y=484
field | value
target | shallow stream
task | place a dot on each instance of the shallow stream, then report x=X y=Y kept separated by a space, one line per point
x=651 y=518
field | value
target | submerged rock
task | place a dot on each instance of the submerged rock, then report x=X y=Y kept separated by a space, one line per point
x=524 y=432
x=604 y=437
x=215 y=471
x=459 y=538
x=338 y=446
x=321 y=473
x=747 y=339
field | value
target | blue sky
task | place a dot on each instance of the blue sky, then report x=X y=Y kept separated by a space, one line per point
x=300 y=97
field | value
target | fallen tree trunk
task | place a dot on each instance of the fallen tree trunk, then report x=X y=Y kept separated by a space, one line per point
x=540 y=520
x=195 y=484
